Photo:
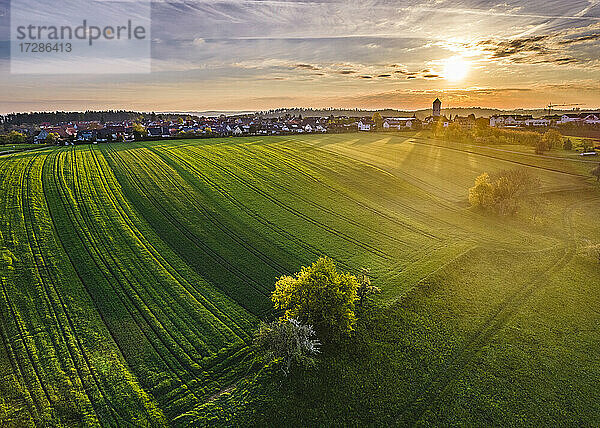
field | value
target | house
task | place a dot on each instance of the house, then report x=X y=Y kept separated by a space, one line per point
x=509 y=120
x=466 y=122
x=433 y=121
x=365 y=124
x=89 y=135
x=574 y=118
x=592 y=119
x=399 y=123
x=159 y=131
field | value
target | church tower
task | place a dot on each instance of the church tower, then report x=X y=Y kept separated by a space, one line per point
x=437 y=108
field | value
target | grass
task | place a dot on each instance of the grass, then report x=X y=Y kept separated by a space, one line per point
x=133 y=276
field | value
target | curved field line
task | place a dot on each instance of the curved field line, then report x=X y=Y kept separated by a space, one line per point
x=201 y=382
x=34 y=361
x=170 y=300
x=437 y=387
x=337 y=191
x=151 y=319
x=217 y=313
x=495 y=157
x=183 y=229
x=217 y=223
x=73 y=345
x=373 y=250
x=139 y=270
x=243 y=165
x=127 y=303
x=240 y=205
x=37 y=406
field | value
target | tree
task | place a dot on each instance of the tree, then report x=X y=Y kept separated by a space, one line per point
x=13 y=137
x=504 y=192
x=52 y=138
x=482 y=194
x=139 y=131
x=319 y=295
x=596 y=172
x=552 y=139
x=365 y=288
x=378 y=120
x=288 y=341
x=540 y=146
x=568 y=144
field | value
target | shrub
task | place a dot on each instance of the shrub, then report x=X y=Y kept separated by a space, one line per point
x=365 y=288
x=287 y=341
x=503 y=192
x=319 y=295
x=568 y=145
x=552 y=139
x=482 y=194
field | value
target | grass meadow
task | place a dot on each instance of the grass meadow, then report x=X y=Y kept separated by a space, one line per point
x=134 y=275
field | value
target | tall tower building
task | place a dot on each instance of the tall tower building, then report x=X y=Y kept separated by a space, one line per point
x=437 y=108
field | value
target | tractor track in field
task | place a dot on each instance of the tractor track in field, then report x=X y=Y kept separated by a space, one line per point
x=367 y=247
x=43 y=276
x=243 y=165
x=50 y=288
x=126 y=300
x=157 y=323
x=240 y=205
x=192 y=238
x=179 y=316
x=455 y=149
x=214 y=219
x=17 y=370
x=286 y=150
x=178 y=276
x=339 y=192
x=398 y=174
x=439 y=384
x=185 y=230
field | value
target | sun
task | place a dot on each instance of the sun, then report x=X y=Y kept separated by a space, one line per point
x=456 y=68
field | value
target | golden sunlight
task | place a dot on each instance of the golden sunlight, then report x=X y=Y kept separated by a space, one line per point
x=456 y=68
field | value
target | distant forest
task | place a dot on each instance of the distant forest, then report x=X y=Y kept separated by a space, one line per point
x=18 y=119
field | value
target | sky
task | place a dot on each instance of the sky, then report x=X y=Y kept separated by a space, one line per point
x=260 y=54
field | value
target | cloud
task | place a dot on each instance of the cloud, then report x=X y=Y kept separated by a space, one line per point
x=559 y=48
x=306 y=66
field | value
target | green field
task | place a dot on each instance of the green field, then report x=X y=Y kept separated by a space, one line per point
x=134 y=275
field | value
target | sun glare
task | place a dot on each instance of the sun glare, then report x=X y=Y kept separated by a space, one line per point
x=456 y=68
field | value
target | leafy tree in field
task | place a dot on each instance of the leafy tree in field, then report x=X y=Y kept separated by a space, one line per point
x=288 y=341
x=482 y=194
x=319 y=295
x=540 y=146
x=552 y=139
x=378 y=120
x=13 y=137
x=139 y=131
x=52 y=138
x=568 y=145
x=365 y=288
x=455 y=132
x=504 y=192
x=596 y=172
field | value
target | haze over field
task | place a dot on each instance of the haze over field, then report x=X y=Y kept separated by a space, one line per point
x=250 y=55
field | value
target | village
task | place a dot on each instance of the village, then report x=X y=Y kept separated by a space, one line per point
x=190 y=126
